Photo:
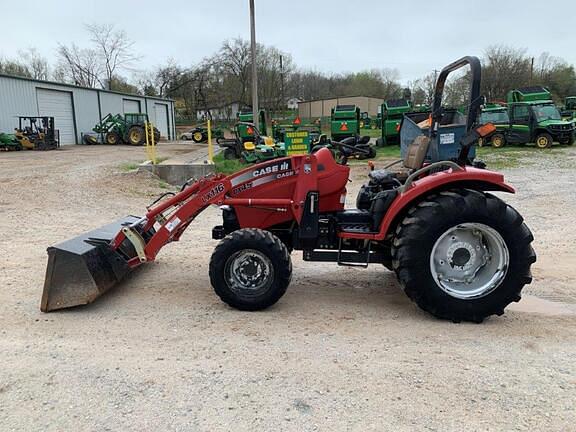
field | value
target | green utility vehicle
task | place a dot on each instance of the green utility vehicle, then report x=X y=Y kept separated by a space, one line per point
x=392 y=112
x=344 y=122
x=128 y=129
x=496 y=114
x=534 y=118
x=569 y=110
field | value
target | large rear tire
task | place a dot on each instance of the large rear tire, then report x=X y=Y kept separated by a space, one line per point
x=197 y=136
x=463 y=255
x=250 y=269
x=136 y=135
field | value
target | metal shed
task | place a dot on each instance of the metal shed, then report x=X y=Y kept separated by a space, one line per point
x=322 y=107
x=76 y=109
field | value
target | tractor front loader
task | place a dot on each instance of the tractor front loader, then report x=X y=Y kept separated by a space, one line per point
x=459 y=252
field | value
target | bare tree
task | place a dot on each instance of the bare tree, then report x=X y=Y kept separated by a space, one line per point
x=79 y=65
x=13 y=67
x=35 y=63
x=234 y=60
x=505 y=68
x=114 y=48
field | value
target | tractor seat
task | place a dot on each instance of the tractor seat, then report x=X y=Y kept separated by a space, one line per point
x=413 y=160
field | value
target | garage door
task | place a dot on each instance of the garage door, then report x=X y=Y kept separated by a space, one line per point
x=131 y=106
x=161 y=116
x=58 y=104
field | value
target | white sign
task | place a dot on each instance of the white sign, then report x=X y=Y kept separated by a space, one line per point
x=447 y=138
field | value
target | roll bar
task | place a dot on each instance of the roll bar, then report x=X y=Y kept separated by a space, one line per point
x=474 y=103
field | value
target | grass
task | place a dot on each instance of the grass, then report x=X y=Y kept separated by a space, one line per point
x=129 y=166
x=226 y=166
x=372 y=133
x=163 y=185
x=514 y=156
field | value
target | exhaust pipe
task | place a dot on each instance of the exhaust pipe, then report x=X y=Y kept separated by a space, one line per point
x=83 y=268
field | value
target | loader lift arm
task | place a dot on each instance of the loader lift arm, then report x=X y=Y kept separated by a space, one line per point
x=167 y=220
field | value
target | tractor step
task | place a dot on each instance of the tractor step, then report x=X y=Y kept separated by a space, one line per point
x=364 y=228
x=344 y=258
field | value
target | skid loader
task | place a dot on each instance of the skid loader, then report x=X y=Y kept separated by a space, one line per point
x=459 y=252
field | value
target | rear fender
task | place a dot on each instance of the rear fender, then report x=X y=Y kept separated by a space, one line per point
x=469 y=178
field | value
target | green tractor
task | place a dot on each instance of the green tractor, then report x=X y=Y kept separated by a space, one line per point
x=496 y=114
x=534 y=118
x=199 y=134
x=128 y=129
x=344 y=122
x=392 y=112
x=9 y=142
x=250 y=145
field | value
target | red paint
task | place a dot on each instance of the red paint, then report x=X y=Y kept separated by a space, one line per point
x=274 y=192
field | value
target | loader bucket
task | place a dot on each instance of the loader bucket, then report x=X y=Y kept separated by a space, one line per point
x=83 y=268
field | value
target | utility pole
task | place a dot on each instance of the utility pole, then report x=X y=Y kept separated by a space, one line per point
x=282 y=100
x=254 y=72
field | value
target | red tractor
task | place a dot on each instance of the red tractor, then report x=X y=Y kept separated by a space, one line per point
x=458 y=251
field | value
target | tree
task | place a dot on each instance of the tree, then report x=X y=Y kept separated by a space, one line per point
x=114 y=48
x=36 y=65
x=79 y=65
x=12 y=67
x=505 y=68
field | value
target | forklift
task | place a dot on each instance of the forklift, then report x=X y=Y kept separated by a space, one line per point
x=37 y=133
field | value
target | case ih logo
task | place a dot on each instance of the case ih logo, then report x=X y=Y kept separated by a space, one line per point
x=271 y=169
x=219 y=188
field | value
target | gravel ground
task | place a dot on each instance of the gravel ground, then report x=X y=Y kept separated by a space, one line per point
x=343 y=350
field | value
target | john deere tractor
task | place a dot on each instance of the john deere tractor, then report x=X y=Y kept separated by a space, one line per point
x=128 y=129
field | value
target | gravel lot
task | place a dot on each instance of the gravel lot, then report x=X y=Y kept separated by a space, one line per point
x=343 y=350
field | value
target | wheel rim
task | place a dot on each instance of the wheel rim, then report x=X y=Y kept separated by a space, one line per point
x=249 y=272
x=542 y=142
x=112 y=139
x=497 y=141
x=135 y=136
x=198 y=136
x=469 y=261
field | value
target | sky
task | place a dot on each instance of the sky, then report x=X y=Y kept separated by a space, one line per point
x=333 y=36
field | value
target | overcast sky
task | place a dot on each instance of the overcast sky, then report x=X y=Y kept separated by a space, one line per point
x=413 y=37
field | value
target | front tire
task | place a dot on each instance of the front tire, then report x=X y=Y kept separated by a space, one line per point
x=463 y=255
x=112 y=138
x=544 y=140
x=498 y=140
x=250 y=269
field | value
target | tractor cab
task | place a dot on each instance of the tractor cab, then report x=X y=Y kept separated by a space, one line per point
x=135 y=118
